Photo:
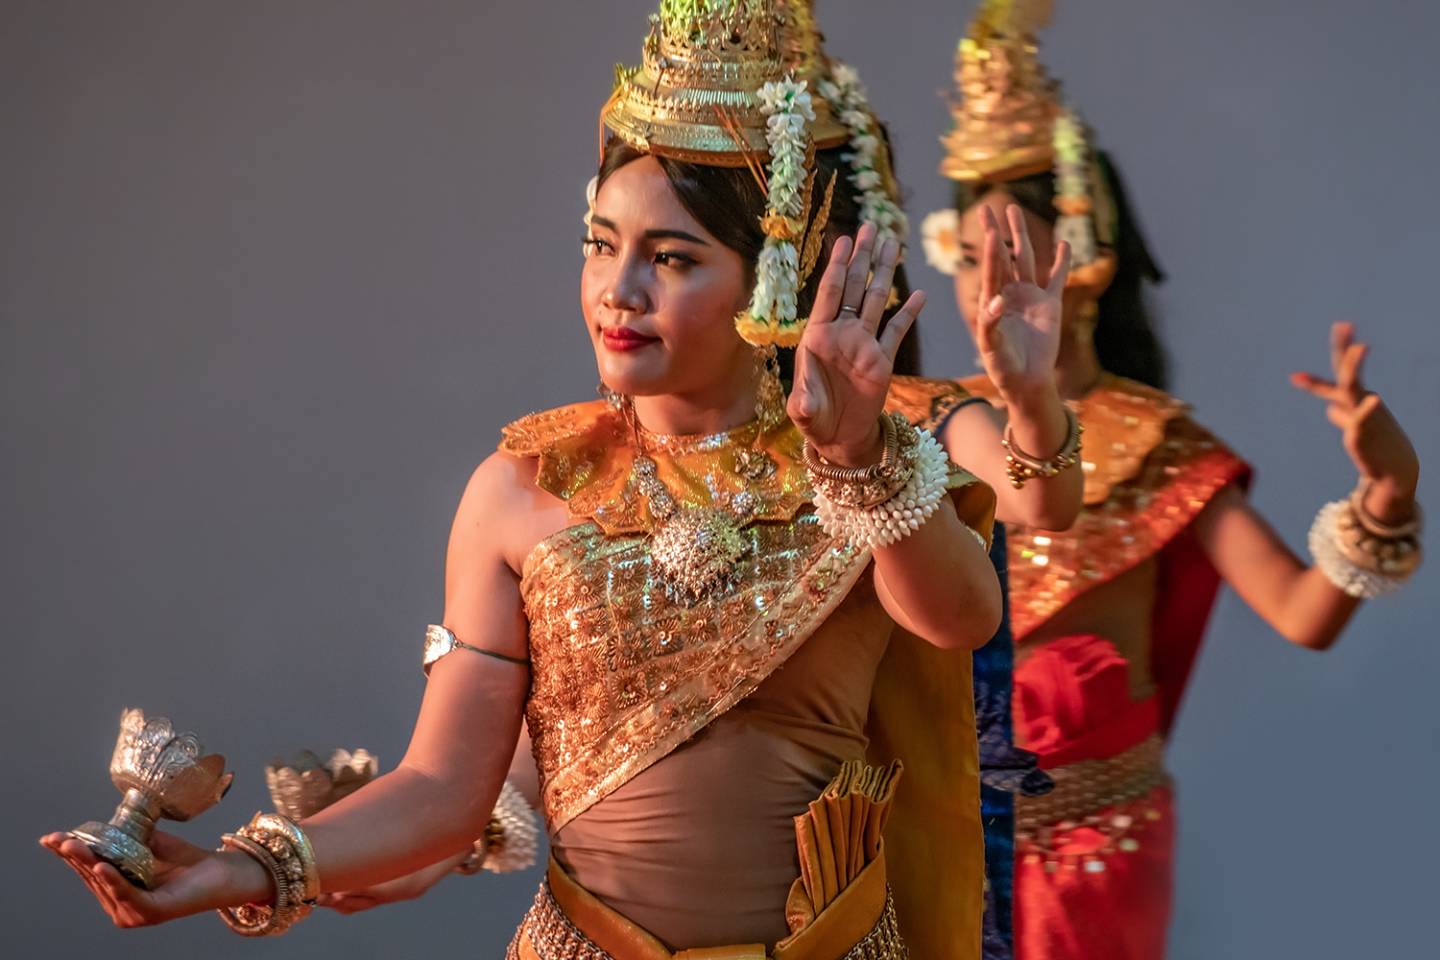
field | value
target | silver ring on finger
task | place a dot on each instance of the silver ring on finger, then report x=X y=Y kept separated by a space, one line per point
x=846 y=308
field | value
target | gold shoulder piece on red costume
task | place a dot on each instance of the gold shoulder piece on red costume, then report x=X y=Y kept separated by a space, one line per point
x=1124 y=422
x=1149 y=471
x=926 y=403
x=586 y=455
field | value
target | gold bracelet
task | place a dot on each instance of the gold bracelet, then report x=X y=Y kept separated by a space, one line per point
x=283 y=849
x=1376 y=527
x=1021 y=467
x=865 y=487
x=1396 y=557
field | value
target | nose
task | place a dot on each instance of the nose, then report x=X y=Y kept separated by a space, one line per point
x=625 y=293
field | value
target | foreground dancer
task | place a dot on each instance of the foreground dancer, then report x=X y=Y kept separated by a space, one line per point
x=855 y=148
x=632 y=575
x=1108 y=616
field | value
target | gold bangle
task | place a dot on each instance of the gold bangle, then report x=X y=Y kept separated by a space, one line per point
x=258 y=919
x=1376 y=527
x=865 y=487
x=1021 y=467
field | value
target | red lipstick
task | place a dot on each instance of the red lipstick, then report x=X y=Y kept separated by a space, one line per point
x=623 y=339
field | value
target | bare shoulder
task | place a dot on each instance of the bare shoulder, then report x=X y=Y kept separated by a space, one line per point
x=503 y=513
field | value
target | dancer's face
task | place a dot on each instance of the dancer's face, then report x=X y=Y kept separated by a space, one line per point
x=659 y=292
x=972 y=248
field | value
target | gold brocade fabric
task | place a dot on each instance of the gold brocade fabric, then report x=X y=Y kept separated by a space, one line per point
x=621 y=676
x=1149 y=471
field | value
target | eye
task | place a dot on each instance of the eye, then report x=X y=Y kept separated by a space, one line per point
x=670 y=258
x=592 y=246
x=969 y=262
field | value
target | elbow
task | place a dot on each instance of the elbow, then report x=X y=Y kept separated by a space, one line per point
x=970 y=625
x=1316 y=640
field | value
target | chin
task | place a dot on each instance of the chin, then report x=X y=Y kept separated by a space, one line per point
x=633 y=377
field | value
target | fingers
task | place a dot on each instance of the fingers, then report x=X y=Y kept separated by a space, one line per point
x=859 y=272
x=832 y=282
x=804 y=403
x=877 y=294
x=991 y=278
x=1341 y=333
x=1024 y=253
x=1347 y=373
x=1059 y=270
x=1316 y=386
x=900 y=324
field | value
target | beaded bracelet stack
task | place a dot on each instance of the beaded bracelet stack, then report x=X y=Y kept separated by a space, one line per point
x=878 y=505
x=510 y=839
x=1361 y=555
x=279 y=845
x=1021 y=467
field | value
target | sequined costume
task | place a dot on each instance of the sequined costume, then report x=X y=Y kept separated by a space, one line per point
x=681 y=746
x=1095 y=856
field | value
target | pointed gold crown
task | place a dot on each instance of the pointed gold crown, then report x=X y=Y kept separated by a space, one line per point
x=1005 y=115
x=695 y=96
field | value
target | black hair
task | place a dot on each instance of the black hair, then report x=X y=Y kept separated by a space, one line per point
x=1125 y=339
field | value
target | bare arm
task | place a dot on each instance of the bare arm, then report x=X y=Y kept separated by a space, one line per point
x=937 y=582
x=1017 y=331
x=1299 y=601
x=972 y=438
x=439 y=798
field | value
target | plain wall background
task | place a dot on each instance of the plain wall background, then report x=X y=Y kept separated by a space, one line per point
x=273 y=274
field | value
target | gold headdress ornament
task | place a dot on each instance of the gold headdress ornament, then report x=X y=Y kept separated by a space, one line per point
x=1010 y=122
x=713 y=88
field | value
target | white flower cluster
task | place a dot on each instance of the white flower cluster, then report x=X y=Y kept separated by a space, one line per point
x=772 y=315
x=940 y=236
x=1072 y=188
x=847 y=98
x=902 y=514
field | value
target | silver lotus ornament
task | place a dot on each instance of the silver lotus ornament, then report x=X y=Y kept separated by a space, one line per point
x=304 y=785
x=162 y=776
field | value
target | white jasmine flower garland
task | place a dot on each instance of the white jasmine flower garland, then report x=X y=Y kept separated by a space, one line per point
x=772 y=314
x=848 y=99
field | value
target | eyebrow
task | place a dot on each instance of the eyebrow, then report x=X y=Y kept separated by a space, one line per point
x=655 y=234
x=972 y=247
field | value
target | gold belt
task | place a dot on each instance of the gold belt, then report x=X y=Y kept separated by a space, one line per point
x=552 y=936
x=1085 y=788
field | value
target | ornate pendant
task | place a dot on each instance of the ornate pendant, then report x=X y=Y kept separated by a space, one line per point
x=697 y=552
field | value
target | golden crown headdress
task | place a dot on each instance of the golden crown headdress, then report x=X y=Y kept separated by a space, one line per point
x=1010 y=122
x=713 y=88
x=695 y=95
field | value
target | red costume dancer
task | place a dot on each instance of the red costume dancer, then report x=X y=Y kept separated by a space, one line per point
x=1108 y=615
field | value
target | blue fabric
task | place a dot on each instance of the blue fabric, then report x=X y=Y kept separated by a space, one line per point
x=1004 y=769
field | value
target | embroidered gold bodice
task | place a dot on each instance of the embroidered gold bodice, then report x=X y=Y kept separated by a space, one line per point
x=1149 y=470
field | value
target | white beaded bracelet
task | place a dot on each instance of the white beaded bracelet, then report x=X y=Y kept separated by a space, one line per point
x=901 y=515
x=1348 y=576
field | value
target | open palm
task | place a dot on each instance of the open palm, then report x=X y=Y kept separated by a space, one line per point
x=1019 y=321
x=844 y=361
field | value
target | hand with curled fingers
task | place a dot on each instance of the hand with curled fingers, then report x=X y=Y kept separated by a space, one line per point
x=188 y=880
x=1369 y=432
x=844 y=360
x=1018 y=321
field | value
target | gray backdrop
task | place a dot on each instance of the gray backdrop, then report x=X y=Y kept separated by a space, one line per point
x=273 y=274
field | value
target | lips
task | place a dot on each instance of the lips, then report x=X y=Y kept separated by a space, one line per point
x=624 y=339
